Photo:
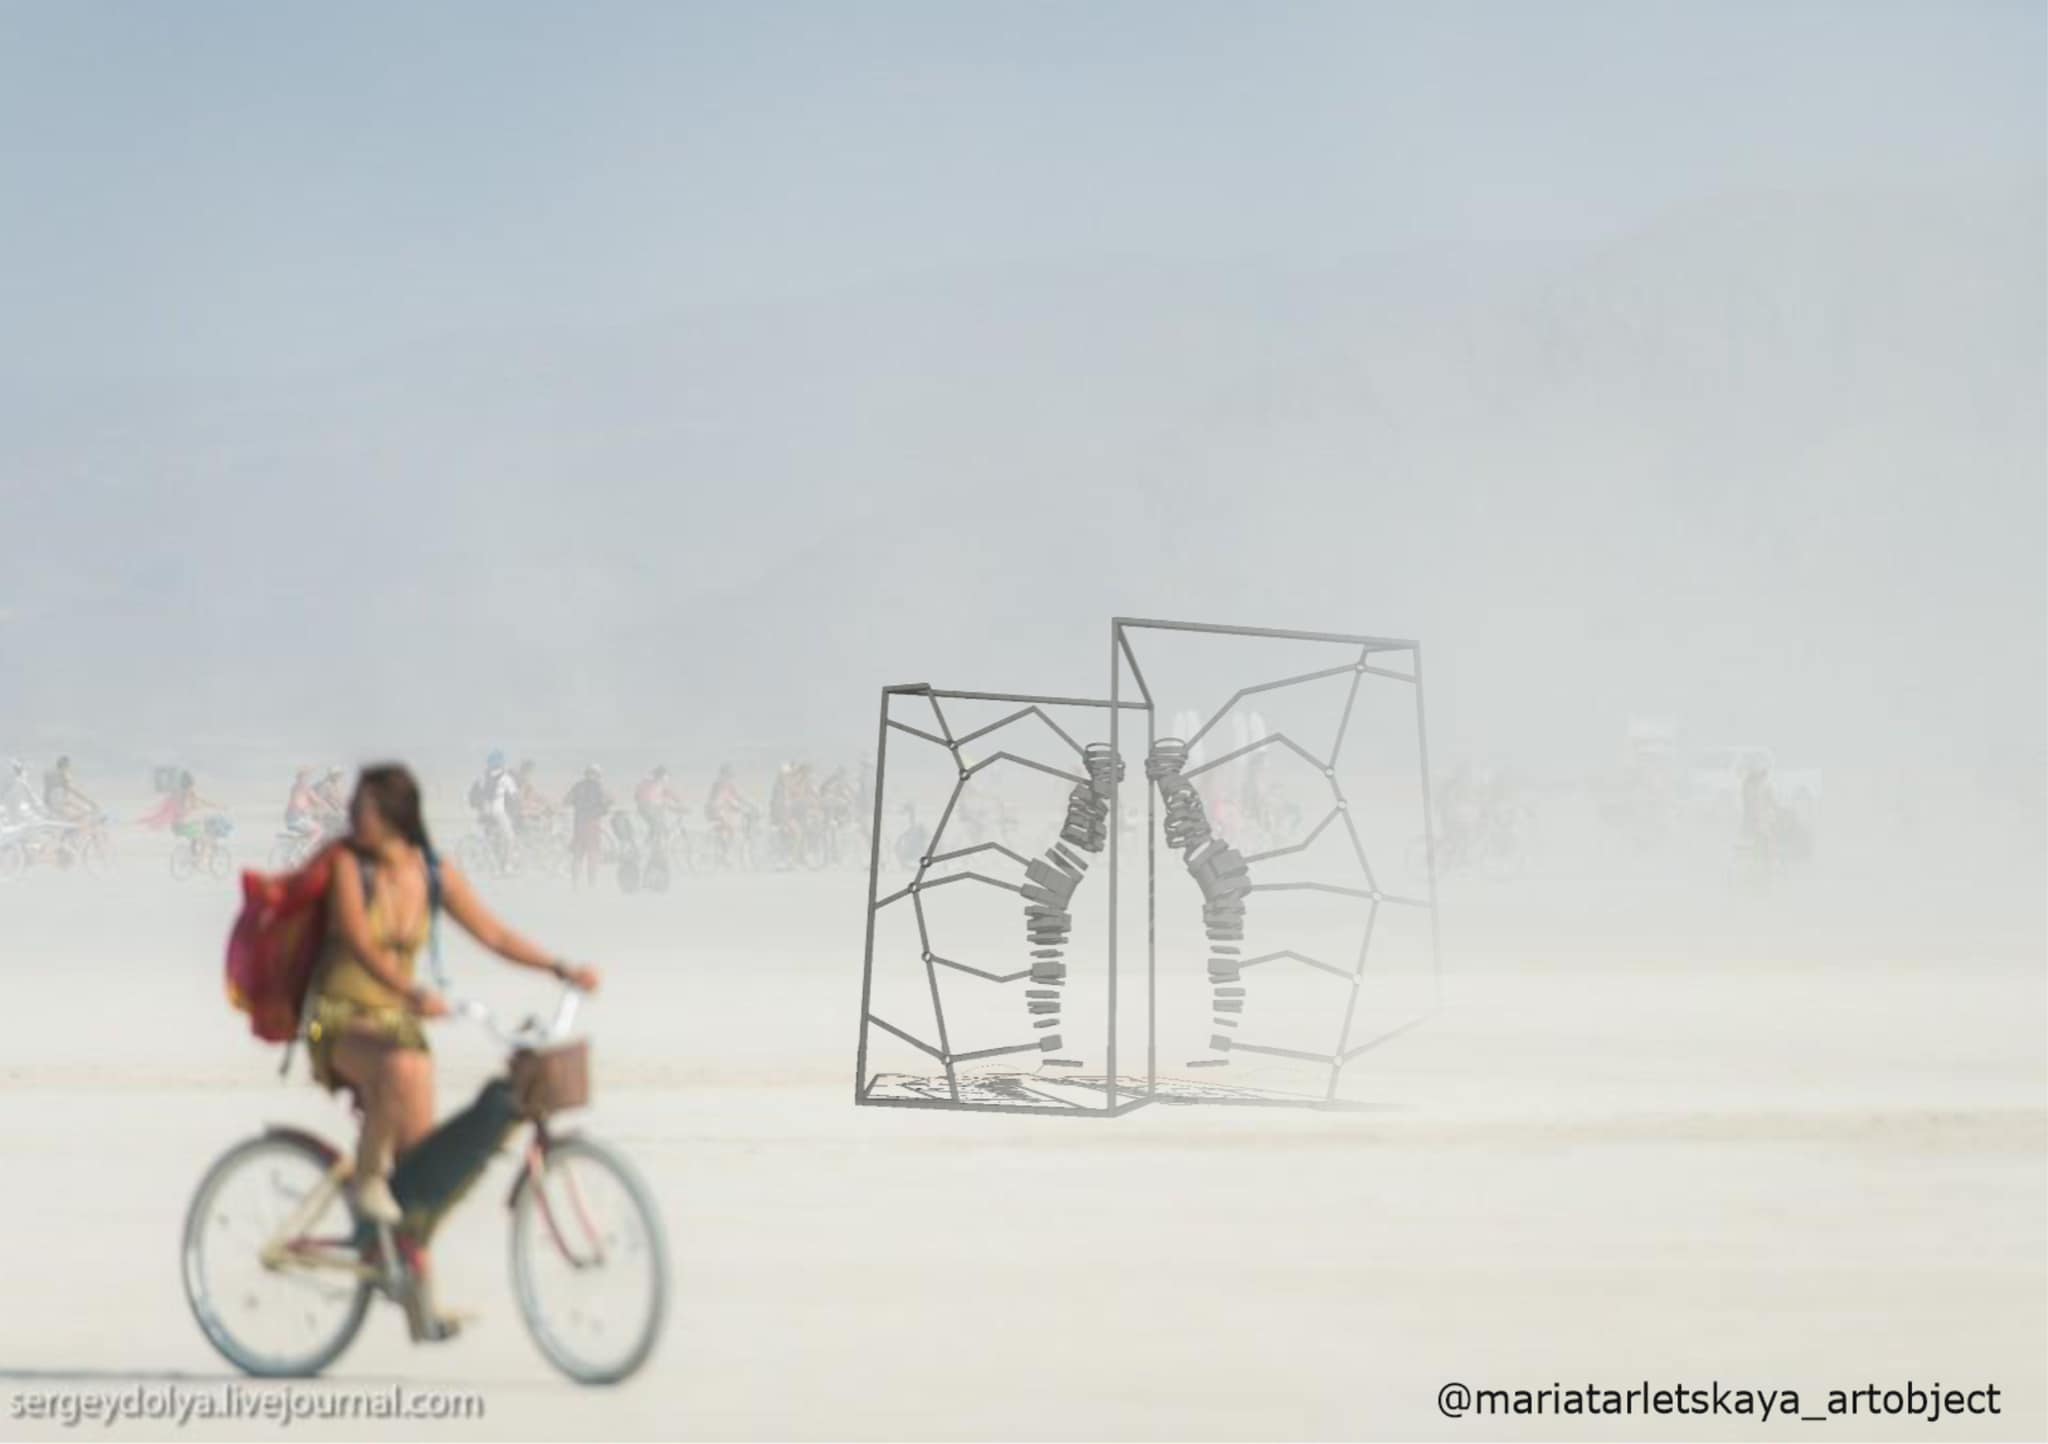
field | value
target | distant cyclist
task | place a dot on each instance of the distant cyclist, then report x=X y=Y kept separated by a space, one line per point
x=331 y=803
x=837 y=797
x=792 y=807
x=913 y=840
x=531 y=811
x=726 y=809
x=62 y=797
x=493 y=795
x=304 y=811
x=779 y=798
x=656 y=802
x=18 y=801
x=1758 y=834
x=184 y=811
x=588 y=803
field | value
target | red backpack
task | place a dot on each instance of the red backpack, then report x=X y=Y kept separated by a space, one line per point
x=275 y=945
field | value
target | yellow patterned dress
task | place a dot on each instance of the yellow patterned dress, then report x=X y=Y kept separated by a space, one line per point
x=349 y=998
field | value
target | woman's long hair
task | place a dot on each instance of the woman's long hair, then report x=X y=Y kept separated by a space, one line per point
x=395 y=792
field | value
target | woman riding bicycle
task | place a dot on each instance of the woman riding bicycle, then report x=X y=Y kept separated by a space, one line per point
x=183 y=811
x=367 y=1001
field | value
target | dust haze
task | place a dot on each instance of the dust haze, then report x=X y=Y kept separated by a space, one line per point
x=642 y=384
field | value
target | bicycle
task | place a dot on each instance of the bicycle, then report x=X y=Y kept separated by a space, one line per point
x=291 y=850
x=544 y=844
x=489 y=851
x=668 y=848
x=735 y=839
x=59 y=842
x=273 y=1246
x=24 y=844
x=204 y=849
x=90 y=843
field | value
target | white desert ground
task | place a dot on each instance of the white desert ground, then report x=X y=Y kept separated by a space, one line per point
x=1660 y=1130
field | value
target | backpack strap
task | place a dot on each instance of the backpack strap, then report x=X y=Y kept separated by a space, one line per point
x=434 y=920
x=433 y=858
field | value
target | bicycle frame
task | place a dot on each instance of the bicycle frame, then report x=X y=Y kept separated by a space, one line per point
x=530 y=1174
x=289 y=1247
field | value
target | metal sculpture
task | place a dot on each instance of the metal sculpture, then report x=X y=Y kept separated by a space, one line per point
x=1049 y=883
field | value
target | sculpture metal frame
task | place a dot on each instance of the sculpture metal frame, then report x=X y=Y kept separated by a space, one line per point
x=1118 y=1096
x=1114 y=1102
x=1123 y=655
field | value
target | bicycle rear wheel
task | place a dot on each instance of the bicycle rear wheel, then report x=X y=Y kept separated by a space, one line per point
x=475 y=855
x=283 y=1317
x=589 y=1264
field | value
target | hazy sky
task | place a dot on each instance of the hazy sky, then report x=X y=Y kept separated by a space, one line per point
x=235 y=188
x=410 y=376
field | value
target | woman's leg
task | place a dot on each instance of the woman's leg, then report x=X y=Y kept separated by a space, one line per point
x=363 y=1062
x=410 y=1076
x=395 y=1087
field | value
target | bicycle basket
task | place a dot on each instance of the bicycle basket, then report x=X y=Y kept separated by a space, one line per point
x=549 y=1080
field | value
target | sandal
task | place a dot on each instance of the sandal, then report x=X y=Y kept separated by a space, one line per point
x=374 y=1200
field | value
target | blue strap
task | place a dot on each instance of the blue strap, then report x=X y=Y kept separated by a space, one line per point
x=369 y=871
x=434 y=921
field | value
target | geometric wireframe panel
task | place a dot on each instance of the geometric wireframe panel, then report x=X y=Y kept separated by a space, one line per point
x=990 y=906
x=1298 y=930
x=1283 y=921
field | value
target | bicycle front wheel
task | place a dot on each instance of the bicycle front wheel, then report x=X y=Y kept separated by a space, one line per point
x=589 y=1264
x=267 y=1259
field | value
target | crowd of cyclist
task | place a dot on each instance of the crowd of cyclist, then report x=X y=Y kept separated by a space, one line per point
x=521 y=821
x=655 y=827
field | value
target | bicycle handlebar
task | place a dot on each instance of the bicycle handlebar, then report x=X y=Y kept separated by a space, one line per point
x=530 y=1034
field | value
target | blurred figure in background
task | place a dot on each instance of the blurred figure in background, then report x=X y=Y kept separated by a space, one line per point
x=1757 y=804
x=726 y=809
x=913 y=840
x=837 y=799
x=18 y=800
x=588 y=803
x=62 y=798
x=493 y=796
x=531 y=811
x=779 y=804
x=332 y=806
x=184 y=811
x=657 y=803
x=305 y=813
x=864 y=794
